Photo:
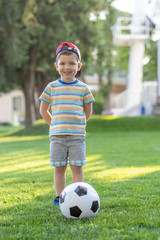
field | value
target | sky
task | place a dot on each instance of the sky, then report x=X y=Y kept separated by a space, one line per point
x=125 y=5
x=129 y=6
x=151 y=11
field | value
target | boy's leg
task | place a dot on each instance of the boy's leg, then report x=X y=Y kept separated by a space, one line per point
x=59 y=179
x=77 y=157
x=77 y=173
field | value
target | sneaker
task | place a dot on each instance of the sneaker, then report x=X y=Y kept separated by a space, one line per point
x=56 y=201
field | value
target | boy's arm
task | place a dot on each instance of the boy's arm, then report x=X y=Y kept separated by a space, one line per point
x=44 y=107
x=88 y=110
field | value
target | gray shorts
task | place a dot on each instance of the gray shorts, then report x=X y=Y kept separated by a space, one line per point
x=66 y=149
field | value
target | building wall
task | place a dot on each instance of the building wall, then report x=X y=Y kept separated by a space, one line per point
x=11 y=107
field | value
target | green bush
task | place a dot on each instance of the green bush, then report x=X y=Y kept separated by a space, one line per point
x=98 y=105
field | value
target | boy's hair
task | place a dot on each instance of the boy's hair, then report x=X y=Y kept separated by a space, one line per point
x=68 y=49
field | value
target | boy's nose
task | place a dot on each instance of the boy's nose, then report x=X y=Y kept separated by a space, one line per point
x=67 y=66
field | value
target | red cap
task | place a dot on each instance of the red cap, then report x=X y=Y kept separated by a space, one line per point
x=70 y=47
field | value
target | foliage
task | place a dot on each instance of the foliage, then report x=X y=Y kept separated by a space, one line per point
x=104 y=47
x=31 y=31
x=123 y=168
x=122 y=58
x=98 y=105
x=103 y=54
x=150 y=69
x=46 y=24
x=104 y=91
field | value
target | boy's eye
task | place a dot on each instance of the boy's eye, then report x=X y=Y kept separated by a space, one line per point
x=63 y=63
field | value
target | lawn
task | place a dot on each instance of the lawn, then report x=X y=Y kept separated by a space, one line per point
x=123 y=158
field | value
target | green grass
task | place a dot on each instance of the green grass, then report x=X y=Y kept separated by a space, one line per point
x=123 y=158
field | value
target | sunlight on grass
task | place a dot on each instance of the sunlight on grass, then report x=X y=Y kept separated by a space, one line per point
x=24 y=196
x=123 y=173
x=94 y=162
x=11 y=132
x=30 y=161
x=24 y=160
x=39 y=122
x=109 y=117
x=97 y=169
x=18 y=138
x=122 y=166
x=93 y=157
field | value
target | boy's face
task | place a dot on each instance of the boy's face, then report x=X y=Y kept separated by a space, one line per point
x=68 y=66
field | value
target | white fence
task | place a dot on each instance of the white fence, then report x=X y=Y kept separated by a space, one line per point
x=148 y=98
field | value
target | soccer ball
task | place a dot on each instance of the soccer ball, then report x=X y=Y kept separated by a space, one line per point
x=79 y=200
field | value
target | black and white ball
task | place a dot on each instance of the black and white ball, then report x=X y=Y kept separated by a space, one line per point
x=79 y=200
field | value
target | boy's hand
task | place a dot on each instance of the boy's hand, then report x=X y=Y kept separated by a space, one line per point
x=88 y=110
x=44 y=111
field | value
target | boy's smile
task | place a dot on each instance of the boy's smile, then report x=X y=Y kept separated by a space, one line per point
x=68 y=66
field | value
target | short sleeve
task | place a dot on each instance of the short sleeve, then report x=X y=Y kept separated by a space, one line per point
x=88 y=97
x=46 y=94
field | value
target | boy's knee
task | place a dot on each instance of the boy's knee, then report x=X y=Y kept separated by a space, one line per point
x=77 y=174
x=76 y=169
x=60 y=170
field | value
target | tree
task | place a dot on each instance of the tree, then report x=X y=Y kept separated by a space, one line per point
x=104 y=49
x=150 y=68
x=30 y=31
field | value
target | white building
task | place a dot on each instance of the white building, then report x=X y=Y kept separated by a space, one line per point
x=12 y=109
x=12 y=104
x=134 y=32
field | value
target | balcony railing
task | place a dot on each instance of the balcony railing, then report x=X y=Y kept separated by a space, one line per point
x=125 y=31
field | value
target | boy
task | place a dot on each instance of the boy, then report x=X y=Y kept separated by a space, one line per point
x=71 y=106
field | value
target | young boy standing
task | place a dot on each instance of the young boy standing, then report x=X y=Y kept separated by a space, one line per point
x=71 y=107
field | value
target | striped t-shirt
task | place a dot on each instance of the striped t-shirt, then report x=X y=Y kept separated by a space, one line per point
x=67 y=101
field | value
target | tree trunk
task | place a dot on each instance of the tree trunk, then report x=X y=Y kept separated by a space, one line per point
x=109 y=87
x=107 y=103
x=36 y=105
x=107 y=108
x=41 y=77
x=41 y=83
x=29 y=108
x=83 y=79
x=100 y=79
x=27 y=82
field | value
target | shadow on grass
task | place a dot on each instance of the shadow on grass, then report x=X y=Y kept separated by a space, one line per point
x=106 y=154
x=31 y=219
x=126 y=202
x=34 y=130
x=19 y=144
x=98 y=124
x=32 y=175
x=119 y=201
